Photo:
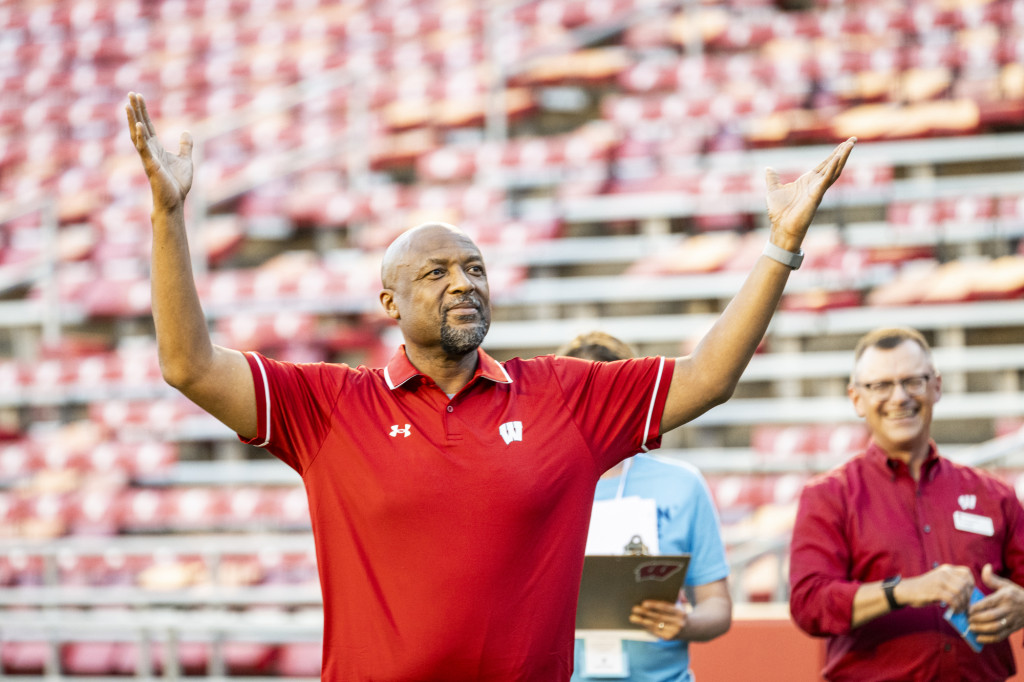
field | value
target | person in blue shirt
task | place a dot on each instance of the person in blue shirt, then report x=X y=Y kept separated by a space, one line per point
x=687 y=524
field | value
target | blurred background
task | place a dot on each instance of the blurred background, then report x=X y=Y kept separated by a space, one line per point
x=607 y=155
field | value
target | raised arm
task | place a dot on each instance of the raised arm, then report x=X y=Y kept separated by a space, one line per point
x=215 y=378
x=709 y=375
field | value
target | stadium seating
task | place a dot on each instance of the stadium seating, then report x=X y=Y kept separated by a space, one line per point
x=607 y=155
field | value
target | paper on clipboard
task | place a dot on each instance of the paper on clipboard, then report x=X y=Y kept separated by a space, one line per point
x=613 y=523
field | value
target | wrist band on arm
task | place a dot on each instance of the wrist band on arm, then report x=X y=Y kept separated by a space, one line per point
x=788 y=258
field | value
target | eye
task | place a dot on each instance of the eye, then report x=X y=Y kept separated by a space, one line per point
x=476 y=269
x=436 y=272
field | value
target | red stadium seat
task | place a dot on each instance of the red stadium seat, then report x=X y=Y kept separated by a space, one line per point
x=93 y=658
x=784 y=442
x=25 y=658
x=300 y=659
x=250 y=658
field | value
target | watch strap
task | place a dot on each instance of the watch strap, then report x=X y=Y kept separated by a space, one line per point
x=788 y=258
x=888 y=586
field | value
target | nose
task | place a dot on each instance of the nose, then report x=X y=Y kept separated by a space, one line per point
x=899 y=392
x=460 y=282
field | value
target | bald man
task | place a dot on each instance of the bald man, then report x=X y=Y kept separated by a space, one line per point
x=450 y=494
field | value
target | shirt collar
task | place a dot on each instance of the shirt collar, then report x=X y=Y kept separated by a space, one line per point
x=928 y=468
x=399 y=370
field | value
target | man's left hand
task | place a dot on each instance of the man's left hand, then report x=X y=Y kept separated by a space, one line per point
x=791 y=206
x=660 y=618
x=1001 y=613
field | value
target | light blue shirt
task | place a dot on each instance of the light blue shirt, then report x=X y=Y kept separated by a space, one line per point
x=687 y=524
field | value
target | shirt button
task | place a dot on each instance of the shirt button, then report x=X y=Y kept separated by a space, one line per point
x=947 y=646
x=451 y=409
x=927 y=528
x=935 y=564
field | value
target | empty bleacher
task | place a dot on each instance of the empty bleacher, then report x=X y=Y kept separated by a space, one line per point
x=608 y=156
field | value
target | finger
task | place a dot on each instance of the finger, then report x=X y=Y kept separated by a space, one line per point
x=645 y=621
x=992 y=607
x=834 y=164
x=989 y=577
x=130 y=113
x=140 y=140
x=771 y=178
x=988 y=623
x=145 y=115
x=185 y=145
x=844 y=151
x=133 y=102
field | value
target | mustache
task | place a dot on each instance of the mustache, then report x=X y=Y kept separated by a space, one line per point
x=465 y=300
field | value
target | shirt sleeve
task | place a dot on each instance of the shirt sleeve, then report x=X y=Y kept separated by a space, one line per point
x=821 y=593
x=616 y=405
x=1013 y=551
x=707 y=552
x=292 y=405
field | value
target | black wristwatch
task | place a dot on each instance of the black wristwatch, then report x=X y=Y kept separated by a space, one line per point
x=888 y=585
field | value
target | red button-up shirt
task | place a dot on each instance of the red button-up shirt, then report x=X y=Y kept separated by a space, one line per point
x=868 y=520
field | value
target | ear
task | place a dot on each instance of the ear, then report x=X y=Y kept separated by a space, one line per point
x=387 y=299
x=856 y=399
x=938 y=387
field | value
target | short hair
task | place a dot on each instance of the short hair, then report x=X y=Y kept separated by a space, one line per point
x=888 y=338
x=597 y=346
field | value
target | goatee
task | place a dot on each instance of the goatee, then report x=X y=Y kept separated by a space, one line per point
x=463 y=340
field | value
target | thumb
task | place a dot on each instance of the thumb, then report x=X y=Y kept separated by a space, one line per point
x=185 y=145
x=989 y=577
x=771 y=177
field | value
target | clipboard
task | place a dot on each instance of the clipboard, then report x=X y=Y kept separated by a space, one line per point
x=613 y=584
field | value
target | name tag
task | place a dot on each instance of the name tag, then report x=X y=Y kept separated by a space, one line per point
x=973 y=523
x=604 y=656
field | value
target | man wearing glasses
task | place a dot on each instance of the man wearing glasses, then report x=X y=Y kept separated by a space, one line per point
x=909 y=563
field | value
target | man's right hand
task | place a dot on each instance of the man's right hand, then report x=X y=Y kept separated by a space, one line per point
x=945 y=584
x=170 y=175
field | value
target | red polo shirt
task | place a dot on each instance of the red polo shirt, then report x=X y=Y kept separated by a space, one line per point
x=868 y=520
x=450 y=532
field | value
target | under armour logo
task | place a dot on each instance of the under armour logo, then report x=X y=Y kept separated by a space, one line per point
x=968 y=501
x=395 y=430
x=511 y=431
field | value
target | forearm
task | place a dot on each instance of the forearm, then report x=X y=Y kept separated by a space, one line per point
x=709 y=375
x=869 y=603
x=732 y=341
x=709 y=618
x=183 y=340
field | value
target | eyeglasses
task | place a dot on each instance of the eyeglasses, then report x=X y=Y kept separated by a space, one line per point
x=912 y=386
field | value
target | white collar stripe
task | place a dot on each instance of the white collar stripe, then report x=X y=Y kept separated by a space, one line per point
x=654 y=399
x=502 y=368
x=387 y=378
x=266 y=397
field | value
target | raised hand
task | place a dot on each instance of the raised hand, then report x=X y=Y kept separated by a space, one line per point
x=791 y=206
x=170 y=175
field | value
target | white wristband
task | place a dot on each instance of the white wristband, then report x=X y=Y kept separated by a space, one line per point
x=787 y=258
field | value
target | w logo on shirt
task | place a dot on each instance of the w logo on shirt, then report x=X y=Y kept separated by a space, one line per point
x=511 y=431
x=968 y=501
